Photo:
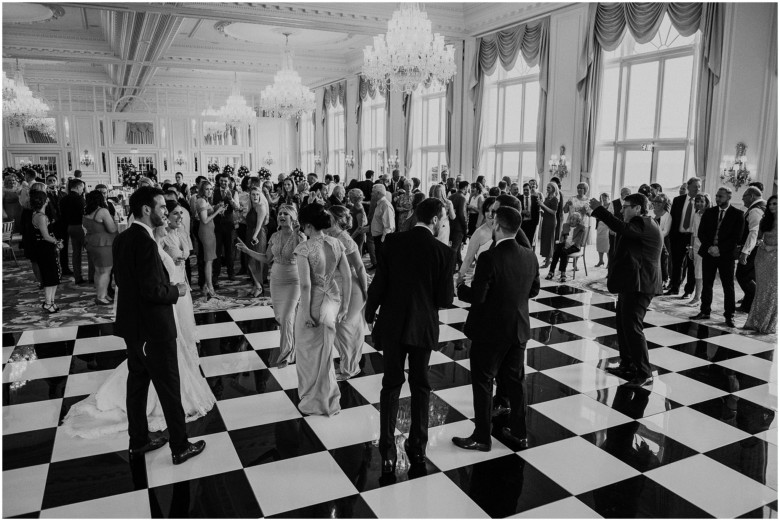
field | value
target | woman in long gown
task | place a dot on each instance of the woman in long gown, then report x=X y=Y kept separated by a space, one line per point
x=549 y=209
x=480 y=240
x=351 y=331
x=763 y=313
x=323 y=304
x=701 y=202
x=285 y=282
x=105 y=411
x=256 y=239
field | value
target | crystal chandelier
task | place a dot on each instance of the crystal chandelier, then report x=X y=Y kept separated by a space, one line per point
x=236 y=112
x=409 y=54
x=44 y=126
x=212 y=127
x=19 y=103
x=287 y=97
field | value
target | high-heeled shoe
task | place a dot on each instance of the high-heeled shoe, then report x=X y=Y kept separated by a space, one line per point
x=105 y=302
x=258 y=292
x=549 y=276
x=50 y=308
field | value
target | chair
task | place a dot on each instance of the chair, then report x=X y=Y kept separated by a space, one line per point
x=576 y=255
x=8 y=231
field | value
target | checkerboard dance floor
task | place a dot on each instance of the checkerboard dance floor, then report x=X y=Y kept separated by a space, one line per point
x=701 y=443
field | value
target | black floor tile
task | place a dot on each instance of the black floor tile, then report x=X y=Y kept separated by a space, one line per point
x=706 y=351
x=544 y=357
x=765 y=512
x=212 y=423
x=226 y=495
x=67 y=403
x=270 y=357
x=371 y=364
x=634 y=403
x=275 y=442
x=259 y=325
x=696 y=330
x=247 y=383
x=766 y=355
x=555 y=316
x=542 y=430
x=346 y=507
x=212 y=317
x=755 y=458
x=439 y=413
x=612 y=341
x=107 y=360
x=224 y=346
x=29 y=515
x=609 y=306
x=563 y=289
x=28 y=448
x=93 y=477
x=738 y=412
x=456 y=350
x=541 y=388
x=552 y=335
x=28 y=391
x=640 y=497
x=42 y=351
x=558 y=302
x=93 y=330
x=350 y=397
x=448 y=375
x=506 y=486
x=722 y=378
x=10 y=339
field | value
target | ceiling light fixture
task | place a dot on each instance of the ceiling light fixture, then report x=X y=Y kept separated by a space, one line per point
x=236 y=111
x=19 y=103
x=287 y=97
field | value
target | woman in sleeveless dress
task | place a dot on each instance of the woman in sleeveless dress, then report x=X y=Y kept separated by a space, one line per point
x=100 y=232
x=47 y=250
x=285 y=282
x=763 y=313
x=205 y=214
x=256 y=239
x=105 y=411
x=549 y=208
x=323 y=304
x=350 y=332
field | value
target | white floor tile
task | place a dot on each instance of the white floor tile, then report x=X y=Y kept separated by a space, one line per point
x=350 y=426
x=7 y=353
x=581 y=414
x=715 y=488
x=586 y=350
x=252 y=313
x=457 y=302
x=231 y=363
x=467 y=364
x=461 y=398
x=534 y=306
x=298 y=482
x=587 y=329
x=367 y=349
x=264 y=339
x=588 y=312
x=769 y=436
x=531 y=344
x=370 y=386
x=764 y=395
x=453 y=316
x=68 y=447
x=436 y=358
x=569 y=508
x=429 y=497
x=535 y=322
x=218 y=457
x=98 y=344
x=223 y=329
x=23 y=489
x=287 y=377
x=741 y=343
x=684 y=390
x=662 y=319
x=666 y=337
x=446 y=455
x=258 y=409
x=578 y=465
x=449 y=334
x=583 y=377
x=546 y=294
x=591 y=298
x=35 y=369
x=694 y=429
x=41 y=336
x=753 y=366
x=134 y=505
x=674 y=360
x=31 y=416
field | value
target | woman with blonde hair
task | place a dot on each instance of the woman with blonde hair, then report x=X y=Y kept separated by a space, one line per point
x=256 y=219
x=571 y=241
x=437 y=192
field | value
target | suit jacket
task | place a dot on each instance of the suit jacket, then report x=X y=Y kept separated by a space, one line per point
x=412 y=282
x=504 y=279
x=144 y=309
x=533 y=222
x=366 y=187
x=678 y=203
x=636 y=264
x=230 y=216
x=729 y=235
x=617 y=208
x=461 y=221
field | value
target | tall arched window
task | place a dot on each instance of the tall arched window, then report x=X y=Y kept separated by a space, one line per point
x=429 y=117
x=373 y=133
x=306 y=135
x=336 y=140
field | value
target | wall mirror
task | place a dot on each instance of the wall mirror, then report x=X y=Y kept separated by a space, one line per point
x=135 y=132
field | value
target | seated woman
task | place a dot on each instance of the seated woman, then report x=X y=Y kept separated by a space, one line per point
x=572 y=239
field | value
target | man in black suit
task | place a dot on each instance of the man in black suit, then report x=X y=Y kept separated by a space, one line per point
x=498 y=325
x=512 y=202
x=367 y=185
x=720 y=232
x=412 y=282
x=460 y=225
x=225 y=226
x=680 y=238
x=635 y=275
x=144 y=319
x=617 y=211
x=530 y=205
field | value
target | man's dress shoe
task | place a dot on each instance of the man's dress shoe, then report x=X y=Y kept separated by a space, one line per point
x=701 y=316
x=622 y=371
x=730 y=322
x=190 y=452
x=152 y=445
x=639 y=382
x=471 y=444
x=415 y=456
x=514 y=441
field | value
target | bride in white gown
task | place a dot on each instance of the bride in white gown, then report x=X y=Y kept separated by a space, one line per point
x=105 y=411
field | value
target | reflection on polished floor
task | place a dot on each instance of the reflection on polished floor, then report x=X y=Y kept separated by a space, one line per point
x=701 y=443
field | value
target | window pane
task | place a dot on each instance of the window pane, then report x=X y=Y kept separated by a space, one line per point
x=641 y=100
x=433 y=121
x=528 y=167
x=676 y=99
x=637 y=169
x=491 y=117
x=670 y=171
x=513 y=100
x=531 y=114
x=489 y=166
x=602 y=172
x=510 y=165
x=609 y=104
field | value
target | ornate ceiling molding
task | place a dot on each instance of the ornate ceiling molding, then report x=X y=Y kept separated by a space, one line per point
x=55 y=12
x=484 y=18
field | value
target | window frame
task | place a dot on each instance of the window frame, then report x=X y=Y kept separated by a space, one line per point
x=306 y=141
x=370 y=122
x=336 y=122
x=421 y=147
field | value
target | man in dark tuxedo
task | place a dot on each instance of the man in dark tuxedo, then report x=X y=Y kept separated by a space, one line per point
x=530 y=205
x=460 y=225
x=755 y=206
x=144 y=319
x=680 y=238
x=720 y=231
x=635 y=275
x=367 y=185
x=225 y=226
x=411 y=283
x=498 y=325
x=180 y=185
x=393 y=184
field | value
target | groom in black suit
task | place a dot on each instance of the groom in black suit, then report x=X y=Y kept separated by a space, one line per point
x=498 y=325
x=412 y=282
x=145 y=320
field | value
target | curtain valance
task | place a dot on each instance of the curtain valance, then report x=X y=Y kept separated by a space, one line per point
x=366 y=89
x=336 y=93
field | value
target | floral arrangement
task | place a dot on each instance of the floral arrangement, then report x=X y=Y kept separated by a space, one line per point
x=264 y=174
x=243 y=171
x=297 y=175
x=129 y=174
x=228 y=170
x=738 y=178
x=40 y=172
x=269 y=160
x=213 y=168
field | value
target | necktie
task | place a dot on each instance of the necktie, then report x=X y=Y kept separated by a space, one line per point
x=717 y=230
x=688 y=212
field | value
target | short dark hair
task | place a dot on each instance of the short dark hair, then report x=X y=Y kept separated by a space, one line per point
x=144 y=196
x=415 y=182
x=757 y=184
x=38 y=199
x=328 y=177
x=657 y=187
x=417 y=199
x=502 y=185
x=336 y=178
x=494 y=191
x=171 y=205
x=527 y=184
x=74 y=183
x=77 y=173
x=637 y=200
x=316 y=215
x=369 y=174
x=177 y=173
x=462 y=185
x=556 y=180
x=316 y=187
x=51 y=175
x=199 y=179
x=428 y=209
x=510 y=201
x=509 y=219
x=396 y=171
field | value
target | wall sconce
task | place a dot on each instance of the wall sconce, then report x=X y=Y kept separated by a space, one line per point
x=349 y=159
x=268 y=160
x=735 y=171
x=86 y=159
x=317 y=160
x=392 y=161
x=180 y=161
x=558 y=164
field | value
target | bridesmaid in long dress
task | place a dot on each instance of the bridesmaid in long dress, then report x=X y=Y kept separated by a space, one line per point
x=763 y=313
x=323 y=304
x=549 y=209
x=351 y=331
x=285 y=282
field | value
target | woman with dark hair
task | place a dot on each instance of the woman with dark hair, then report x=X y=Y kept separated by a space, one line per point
x=402 y=201
x=349 y=332
x=205 y=214
x=550 y=210
x=12 y=209
x=480 y=239
x=47 y=250
x=701 y=202
x=763 y=313
x=100 y=231
x=255 y=236
x=323 y=305
x=474 y=207
x=288 y=193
